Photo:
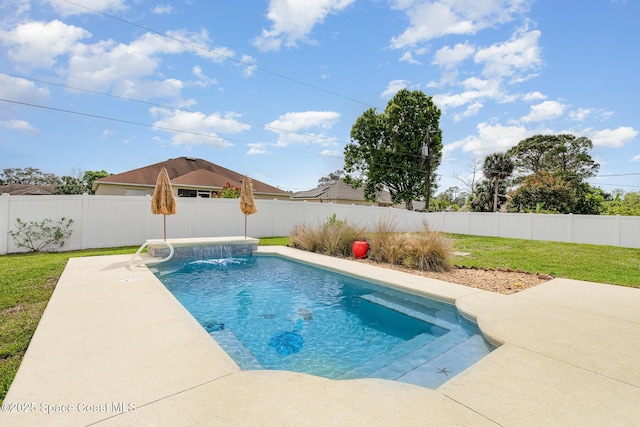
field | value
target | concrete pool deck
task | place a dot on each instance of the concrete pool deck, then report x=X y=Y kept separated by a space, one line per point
x=114 y=347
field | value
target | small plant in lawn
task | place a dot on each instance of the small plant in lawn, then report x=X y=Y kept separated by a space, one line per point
x=39 y=235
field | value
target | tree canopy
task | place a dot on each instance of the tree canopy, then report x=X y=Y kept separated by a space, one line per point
x=497 y=167
x=27 y=176
x=564 y=155
x=80 y=183
x=386 y=151
x=332 y=178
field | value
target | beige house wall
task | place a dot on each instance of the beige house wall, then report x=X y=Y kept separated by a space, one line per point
x=121 y=190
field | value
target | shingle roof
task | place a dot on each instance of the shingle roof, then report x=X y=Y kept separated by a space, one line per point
x=187 y=171
x=339 y=191
x=27 y=190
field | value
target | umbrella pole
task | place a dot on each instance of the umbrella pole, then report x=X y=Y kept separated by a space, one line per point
x=165 y=227
x=245 y=226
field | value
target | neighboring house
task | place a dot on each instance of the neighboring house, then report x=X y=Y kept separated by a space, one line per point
x=190 y=177
x=340 y=193
x=27 y=190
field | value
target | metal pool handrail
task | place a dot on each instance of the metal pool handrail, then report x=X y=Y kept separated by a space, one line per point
x=153 y=260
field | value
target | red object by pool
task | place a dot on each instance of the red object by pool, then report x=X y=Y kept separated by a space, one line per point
x=360 y=248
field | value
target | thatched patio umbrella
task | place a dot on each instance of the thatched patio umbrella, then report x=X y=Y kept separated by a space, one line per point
x=247 y=202
x=162 y=201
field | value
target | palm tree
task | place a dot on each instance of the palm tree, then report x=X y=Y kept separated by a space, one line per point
x=496 y=167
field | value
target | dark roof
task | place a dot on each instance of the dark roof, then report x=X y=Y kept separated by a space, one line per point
x=27 y=190
x=187 y=171
x=339 y=191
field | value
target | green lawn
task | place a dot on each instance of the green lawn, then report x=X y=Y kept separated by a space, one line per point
x=27 y=280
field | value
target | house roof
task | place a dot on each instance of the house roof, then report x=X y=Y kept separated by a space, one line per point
x=27 y=190
x=339 y=191
x=186 y=171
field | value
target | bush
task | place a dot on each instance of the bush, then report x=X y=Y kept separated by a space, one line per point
x=427 y=250
x=38 y=235
x=335 y=237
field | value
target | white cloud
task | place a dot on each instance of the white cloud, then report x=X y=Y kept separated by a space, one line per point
x=39 y=44
x=20 y=126
x=66 y=8
x=448 y=57
x=163 y=9
x=393 y=87
x=580 y=114
x=129 y=68
x=332 y=153
x=534 y=96
x=294 y=128
x=203 y=80
x=546 y=110
x=612 y=137
x=636 y=158
x=144 y=89
x=514 y=58
x=445 y=101
x=196 y=128
x=292 y=21
x=490 y=139
x=19 y=89
x=408 y=57
x=249 y=62
x=432 y=19
x=471 y=110
x=257 y=148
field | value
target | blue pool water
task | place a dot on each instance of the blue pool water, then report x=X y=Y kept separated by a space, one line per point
x=268 y=312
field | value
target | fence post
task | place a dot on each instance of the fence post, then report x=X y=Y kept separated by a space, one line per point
x=618 y=227
x=84 y=226
x=571 y=233
x=4 y=223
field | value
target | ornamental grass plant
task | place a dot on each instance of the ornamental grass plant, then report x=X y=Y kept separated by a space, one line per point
x=335 y=237
x=427 y=250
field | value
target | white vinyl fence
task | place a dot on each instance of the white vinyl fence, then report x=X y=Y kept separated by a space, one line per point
x=109 y=221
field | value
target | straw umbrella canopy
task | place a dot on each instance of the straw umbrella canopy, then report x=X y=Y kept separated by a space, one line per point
x=247 y=202
x=163 y=202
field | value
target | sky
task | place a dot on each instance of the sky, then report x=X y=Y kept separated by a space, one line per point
x=271 y=88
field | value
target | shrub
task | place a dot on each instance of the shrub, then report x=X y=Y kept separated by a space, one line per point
x=385 y=245
x=335 y=237
x=38 y=235
x=426 y=250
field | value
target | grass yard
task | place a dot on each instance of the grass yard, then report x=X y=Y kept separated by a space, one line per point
x=602 y=264
x=28 y=280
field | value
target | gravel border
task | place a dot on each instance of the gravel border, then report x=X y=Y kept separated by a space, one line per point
x=500 y=281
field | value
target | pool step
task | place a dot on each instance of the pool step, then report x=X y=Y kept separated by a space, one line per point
x=444 y=319
x=234 y=348
x=425 y=360
x=407 y=356
x=439 y=370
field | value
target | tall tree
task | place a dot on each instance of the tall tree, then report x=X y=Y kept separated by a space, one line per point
x=90 y=176
x=70 y=185
x=497 y=167
x=482 y=198
x=398 y=149
x=564 y=155
x=332 y=178
x=543 y=192
x=28 y=176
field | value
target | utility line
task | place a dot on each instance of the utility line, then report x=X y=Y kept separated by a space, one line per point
x=96 y=116
x=239 y=61
x=153 y=104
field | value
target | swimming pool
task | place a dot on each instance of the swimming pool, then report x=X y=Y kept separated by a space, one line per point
x=269 y=312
